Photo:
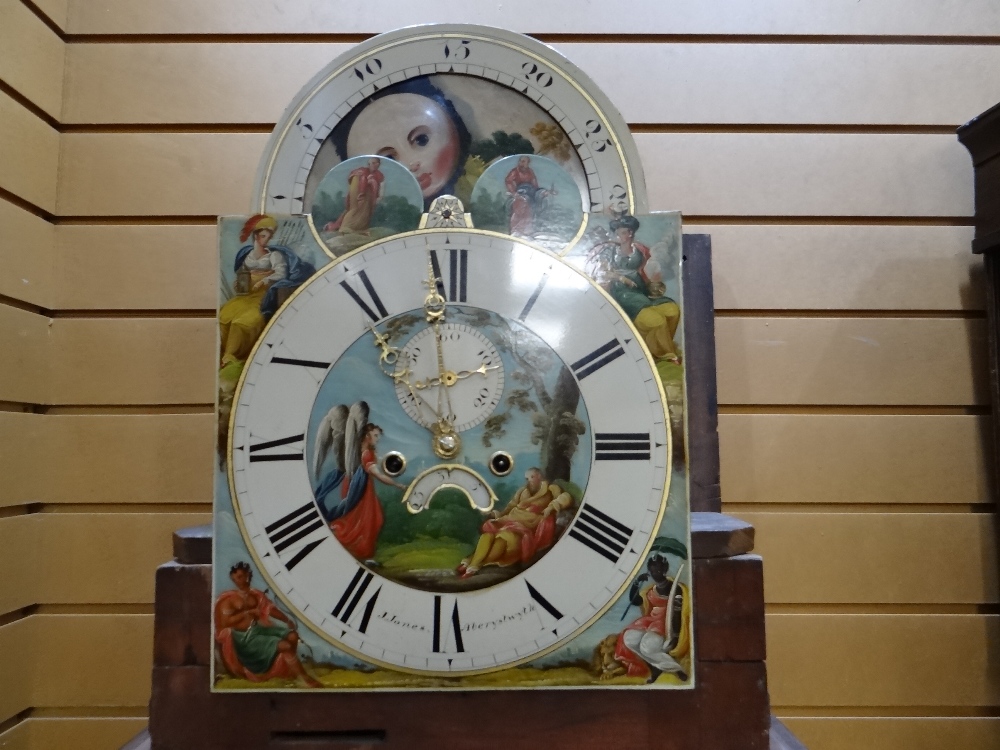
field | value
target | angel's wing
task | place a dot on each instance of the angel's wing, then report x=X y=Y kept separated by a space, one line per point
x=330 y=436
x=357 y=418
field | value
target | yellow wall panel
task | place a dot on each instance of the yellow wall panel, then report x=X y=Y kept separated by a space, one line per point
x=23 y=449
x=56 y=11
x=135 y=266
x=18 y=646
x=108 y=458
x=29 y=155
x=77 y=732
x=133 y=361
x=157 y=174
x=26 y=264
x=19 y=550
x=729 y=83
x=889 y=558
x=31 y=57
x=771 y=267
x=851 y=361
x=889 y=17
x=743 y=174
x=903 y=733
x=761 y=360
x=24 y=374
x=778 y=267
x=883 y=660
x=92 y=660
x=807 y=174
x=847 y=458
x=107 y=558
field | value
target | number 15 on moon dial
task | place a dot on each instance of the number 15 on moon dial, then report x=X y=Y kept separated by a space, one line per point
x=520 y=406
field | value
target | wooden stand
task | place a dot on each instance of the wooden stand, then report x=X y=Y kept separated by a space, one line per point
x=727 y=710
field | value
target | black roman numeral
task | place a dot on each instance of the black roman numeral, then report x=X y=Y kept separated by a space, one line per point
x=597 y=359
x=373 y=297
x=622 y=446
x=352 y=595
x=294 y=527
x=543 y=602
x=255 y=455
x=600 y=532
x=301 y=362
x=456 y=626
x=533 y=298
x=458 y=275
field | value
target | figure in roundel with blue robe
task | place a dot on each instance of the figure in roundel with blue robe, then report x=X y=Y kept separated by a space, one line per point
x=346 y=494
x=265 y=275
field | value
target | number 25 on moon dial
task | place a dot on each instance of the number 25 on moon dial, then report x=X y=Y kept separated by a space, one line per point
x=449 y=476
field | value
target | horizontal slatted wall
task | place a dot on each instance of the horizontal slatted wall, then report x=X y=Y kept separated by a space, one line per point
x=815 y=142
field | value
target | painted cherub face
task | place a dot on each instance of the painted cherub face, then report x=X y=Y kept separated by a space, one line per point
x=413 y=130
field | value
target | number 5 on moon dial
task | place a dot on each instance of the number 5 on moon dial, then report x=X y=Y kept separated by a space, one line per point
x=468 y=564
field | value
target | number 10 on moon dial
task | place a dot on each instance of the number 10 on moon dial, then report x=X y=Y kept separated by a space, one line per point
x=449 y=483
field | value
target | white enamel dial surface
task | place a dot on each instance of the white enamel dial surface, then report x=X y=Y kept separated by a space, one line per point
x=473 y=375
x=597 y=141
x=354 y=604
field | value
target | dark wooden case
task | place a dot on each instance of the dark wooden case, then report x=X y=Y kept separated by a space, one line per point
x=981 y=137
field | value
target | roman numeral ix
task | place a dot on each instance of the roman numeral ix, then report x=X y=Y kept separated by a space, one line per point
x=621 y=446
x=601 y=533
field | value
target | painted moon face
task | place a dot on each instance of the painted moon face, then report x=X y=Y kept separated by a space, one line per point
x=413 y=130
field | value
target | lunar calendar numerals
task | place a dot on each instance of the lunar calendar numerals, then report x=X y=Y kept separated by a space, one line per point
x=601 y=533
x=293 y=528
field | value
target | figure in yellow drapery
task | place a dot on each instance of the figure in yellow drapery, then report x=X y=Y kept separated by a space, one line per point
x=262 y=270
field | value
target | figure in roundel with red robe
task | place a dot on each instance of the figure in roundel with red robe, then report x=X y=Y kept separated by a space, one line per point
x=524 y=198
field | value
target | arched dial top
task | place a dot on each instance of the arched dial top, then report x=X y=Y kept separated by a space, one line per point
x=597 y=141
x=301 y=365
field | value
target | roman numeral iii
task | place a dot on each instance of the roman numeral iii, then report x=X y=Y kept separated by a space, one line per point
x=621 y=446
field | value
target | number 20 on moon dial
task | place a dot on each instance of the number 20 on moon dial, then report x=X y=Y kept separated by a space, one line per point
x=522 y=380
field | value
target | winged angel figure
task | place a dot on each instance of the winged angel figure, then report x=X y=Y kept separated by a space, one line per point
x=346 y=494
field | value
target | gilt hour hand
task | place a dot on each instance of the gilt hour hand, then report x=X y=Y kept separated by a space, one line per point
x=449 y=378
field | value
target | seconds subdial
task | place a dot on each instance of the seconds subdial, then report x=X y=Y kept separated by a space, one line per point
x=472 y=378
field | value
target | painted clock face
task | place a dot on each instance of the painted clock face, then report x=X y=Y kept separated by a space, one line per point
x=425 y=460
x=446 y=101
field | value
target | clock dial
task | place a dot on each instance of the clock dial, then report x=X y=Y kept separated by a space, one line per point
x=470 y=391
x=469 y=564
x=446 y=101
